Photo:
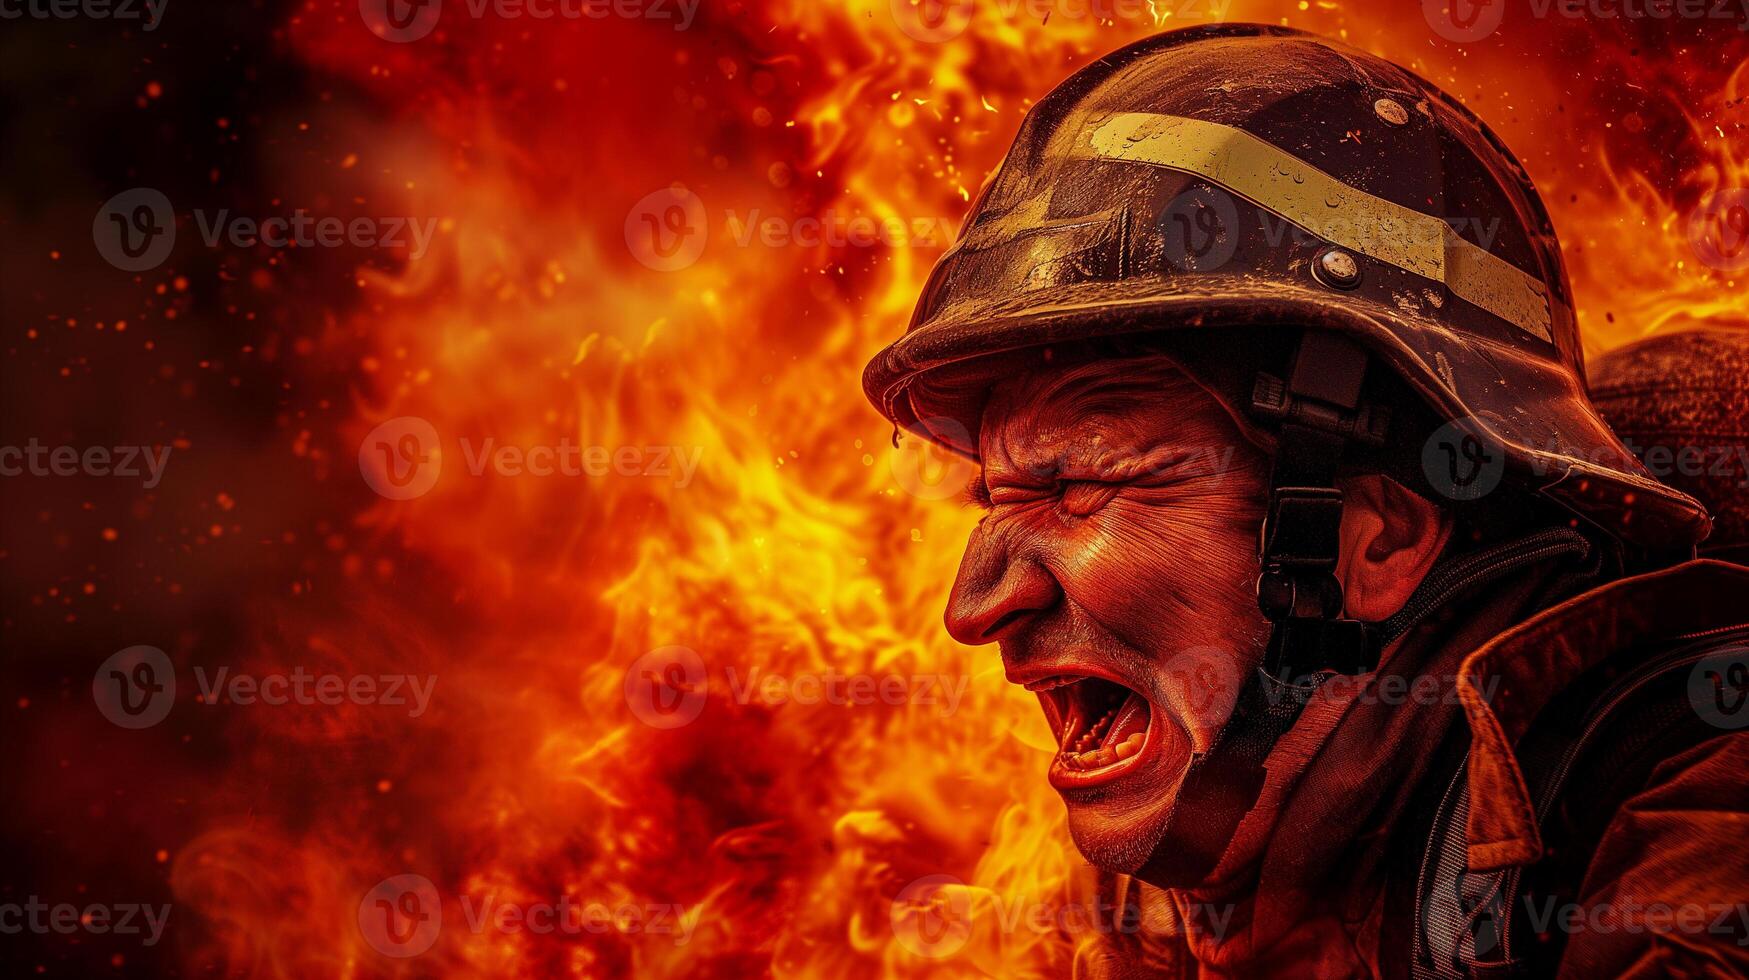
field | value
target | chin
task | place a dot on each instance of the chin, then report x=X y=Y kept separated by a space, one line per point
x=1120 y=761
x=1117 y=838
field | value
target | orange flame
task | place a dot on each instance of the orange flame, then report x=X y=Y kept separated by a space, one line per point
x=777 y=835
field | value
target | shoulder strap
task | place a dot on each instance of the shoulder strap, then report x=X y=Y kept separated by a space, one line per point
x=1613 y=727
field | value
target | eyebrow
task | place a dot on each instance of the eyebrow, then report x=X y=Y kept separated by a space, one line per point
x=1074 y=458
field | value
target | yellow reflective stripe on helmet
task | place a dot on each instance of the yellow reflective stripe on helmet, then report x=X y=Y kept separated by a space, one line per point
x=1295 y=190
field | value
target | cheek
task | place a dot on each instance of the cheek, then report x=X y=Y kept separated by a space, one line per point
x=1162 y=578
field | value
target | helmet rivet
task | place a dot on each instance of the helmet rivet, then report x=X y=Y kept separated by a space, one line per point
x=1336 y=267
x=1391 y=111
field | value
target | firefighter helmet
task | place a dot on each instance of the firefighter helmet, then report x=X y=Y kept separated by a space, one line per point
x=1244 y=175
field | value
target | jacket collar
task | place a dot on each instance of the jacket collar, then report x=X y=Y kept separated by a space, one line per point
x=1527 y=665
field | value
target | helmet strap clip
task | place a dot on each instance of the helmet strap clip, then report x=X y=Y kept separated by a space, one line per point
x=1319 y=412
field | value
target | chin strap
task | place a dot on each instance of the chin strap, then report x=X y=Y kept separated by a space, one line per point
x=1317 y=411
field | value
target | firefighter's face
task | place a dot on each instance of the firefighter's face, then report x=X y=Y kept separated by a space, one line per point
x=1116 y=569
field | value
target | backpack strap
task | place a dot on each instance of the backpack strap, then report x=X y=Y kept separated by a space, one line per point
x=1602 y=737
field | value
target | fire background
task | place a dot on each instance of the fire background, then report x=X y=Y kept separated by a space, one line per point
x=676 y=227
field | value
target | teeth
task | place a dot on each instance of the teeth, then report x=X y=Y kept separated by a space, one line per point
x=1088 y=754
x=1088 y=742
x=1099 y=758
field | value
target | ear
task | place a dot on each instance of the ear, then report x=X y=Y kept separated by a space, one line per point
x=1390 y=539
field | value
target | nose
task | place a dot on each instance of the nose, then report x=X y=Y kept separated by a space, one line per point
x=996 y=590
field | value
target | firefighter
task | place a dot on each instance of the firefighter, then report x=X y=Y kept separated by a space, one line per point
x=1370 y=650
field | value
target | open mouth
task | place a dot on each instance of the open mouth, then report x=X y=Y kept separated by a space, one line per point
x=1101 y=727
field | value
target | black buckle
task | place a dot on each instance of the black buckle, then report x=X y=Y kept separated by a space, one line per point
x=1345 y=646
x=1367 y=423
x=1284 y=595
x=1302 y=529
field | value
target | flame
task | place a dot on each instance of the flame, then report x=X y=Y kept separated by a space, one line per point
x=1660 y=260
x=778 y=835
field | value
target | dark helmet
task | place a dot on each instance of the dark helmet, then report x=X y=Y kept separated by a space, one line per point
x=1681 y=402
x=1232 y=176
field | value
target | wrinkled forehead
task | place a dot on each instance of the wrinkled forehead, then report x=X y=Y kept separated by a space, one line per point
x=1081 y=412
x=954 y=404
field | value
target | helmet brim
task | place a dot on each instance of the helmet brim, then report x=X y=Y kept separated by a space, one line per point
x=1554 y=442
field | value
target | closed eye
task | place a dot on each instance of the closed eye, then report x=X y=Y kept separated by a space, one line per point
x=1008 y=494
x=978 y=492
x=1078 y=498
x=1084 y=497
